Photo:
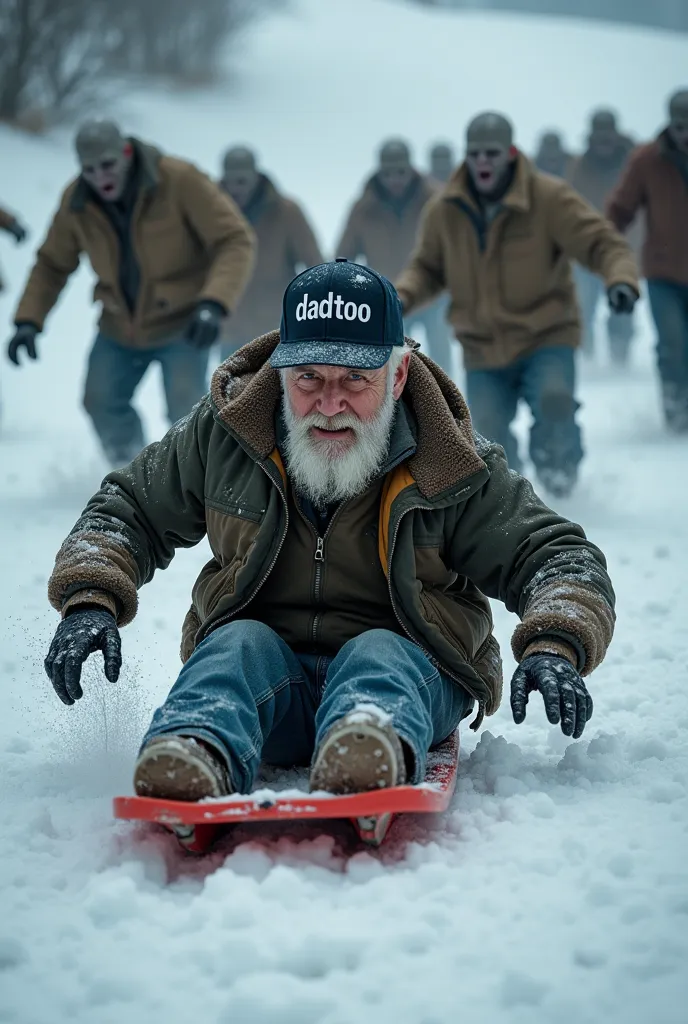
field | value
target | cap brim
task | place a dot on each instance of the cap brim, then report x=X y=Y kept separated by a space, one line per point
x=330 y=353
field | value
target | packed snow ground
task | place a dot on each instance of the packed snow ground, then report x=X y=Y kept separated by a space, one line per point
x=556 y=889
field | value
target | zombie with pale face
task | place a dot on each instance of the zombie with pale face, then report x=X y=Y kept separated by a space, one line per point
x=172 y=254
x=501 y=237
x=655 y=180
x=381 y=230
x=595 y=174
x=286 y=244
x=358 y=528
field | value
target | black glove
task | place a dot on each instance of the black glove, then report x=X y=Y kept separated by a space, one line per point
x=204 y=326
x=18 y=230
x=565 y=694
x=622 y=298
x=24 y=337
x=78 y=635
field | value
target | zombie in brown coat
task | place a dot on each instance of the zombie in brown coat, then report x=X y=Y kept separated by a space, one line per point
x=500 y=238
x=285 y=241
x=172 y=255
x=594 y=175
x=656 y=181
x=381 y=231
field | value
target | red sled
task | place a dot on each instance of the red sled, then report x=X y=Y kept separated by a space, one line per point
x=197 y=824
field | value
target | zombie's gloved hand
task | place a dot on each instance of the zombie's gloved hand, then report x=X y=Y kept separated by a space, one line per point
x=204 y=326
x=82 y=633
x=622 y=298
x=24 y=337
x=18 y=230
x=564 y=692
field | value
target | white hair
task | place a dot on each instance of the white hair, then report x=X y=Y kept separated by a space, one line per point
x=331 y=471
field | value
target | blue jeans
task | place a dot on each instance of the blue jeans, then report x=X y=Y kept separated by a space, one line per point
x=669 y=305
x=114 y=373
x=546 y=380
x=438 y=334
x=244 y=691
x=591 y=289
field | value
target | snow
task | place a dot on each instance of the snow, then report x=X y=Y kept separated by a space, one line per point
x=555 y=889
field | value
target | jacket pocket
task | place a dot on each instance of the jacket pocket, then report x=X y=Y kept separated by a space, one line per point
x=177 y=296
x=190 y=628
x=214 y=582
x=104 y=294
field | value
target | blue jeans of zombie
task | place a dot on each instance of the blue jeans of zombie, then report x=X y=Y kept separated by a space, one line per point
x=546 y=380
x=115 y=371
x=620 y=326
x=245 y=691
x=669 y=305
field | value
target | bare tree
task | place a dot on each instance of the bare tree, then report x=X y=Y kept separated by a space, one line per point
x=50 y=51
x=180 y=39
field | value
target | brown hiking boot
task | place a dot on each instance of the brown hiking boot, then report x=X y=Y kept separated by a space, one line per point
x=173 y=767
x=359 y=753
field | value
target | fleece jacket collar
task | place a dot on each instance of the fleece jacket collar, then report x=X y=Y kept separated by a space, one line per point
x=245 y=392
x=517 y=197
x=147 y=162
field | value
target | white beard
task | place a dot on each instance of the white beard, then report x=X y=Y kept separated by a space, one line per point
x=326 y=472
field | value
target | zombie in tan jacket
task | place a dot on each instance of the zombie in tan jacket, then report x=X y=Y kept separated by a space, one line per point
x=357 y=529
x=285 y=241
x=381 y=230
x=594 y=175
x=172 y=255
x=500 y=237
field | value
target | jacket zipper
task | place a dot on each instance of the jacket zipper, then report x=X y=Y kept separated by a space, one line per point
x=319 y=558
x=476 y=723
x=235 y=611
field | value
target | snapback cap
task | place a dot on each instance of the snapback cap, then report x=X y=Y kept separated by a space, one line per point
x=339 y=314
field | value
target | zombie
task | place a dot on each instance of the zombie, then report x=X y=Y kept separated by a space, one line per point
x=172 y=255
x=381 y=229
x=500 y=237
x=656 y=181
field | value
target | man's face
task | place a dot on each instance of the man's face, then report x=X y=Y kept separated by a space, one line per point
x=106 y=172
x=241 y=185
x=678 y=129
x=338 y=421
x=395 y=178
x=488 y=163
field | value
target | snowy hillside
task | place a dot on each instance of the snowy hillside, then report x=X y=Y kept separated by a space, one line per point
x=555 y=891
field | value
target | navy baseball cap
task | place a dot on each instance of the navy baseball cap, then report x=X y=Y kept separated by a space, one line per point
x=339 y=314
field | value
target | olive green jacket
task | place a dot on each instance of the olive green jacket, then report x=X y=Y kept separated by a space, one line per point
x=455 y=527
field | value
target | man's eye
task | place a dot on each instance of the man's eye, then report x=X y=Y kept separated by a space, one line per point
x=356 y=376
x=107 y=165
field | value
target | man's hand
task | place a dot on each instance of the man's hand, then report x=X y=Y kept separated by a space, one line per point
x=565 y=694
x=204 y=326
x=622 y=298
x=24 y=338
x=78 y=635
x=17 y=229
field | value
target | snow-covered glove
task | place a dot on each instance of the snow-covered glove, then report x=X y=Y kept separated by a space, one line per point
x=81 y=633
x=18 y=230
x=565 y=694
x=622 y=298
x=24 y=337
x=204 y=326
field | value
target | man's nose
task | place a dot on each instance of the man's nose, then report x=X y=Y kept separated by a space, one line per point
x=331 y=400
